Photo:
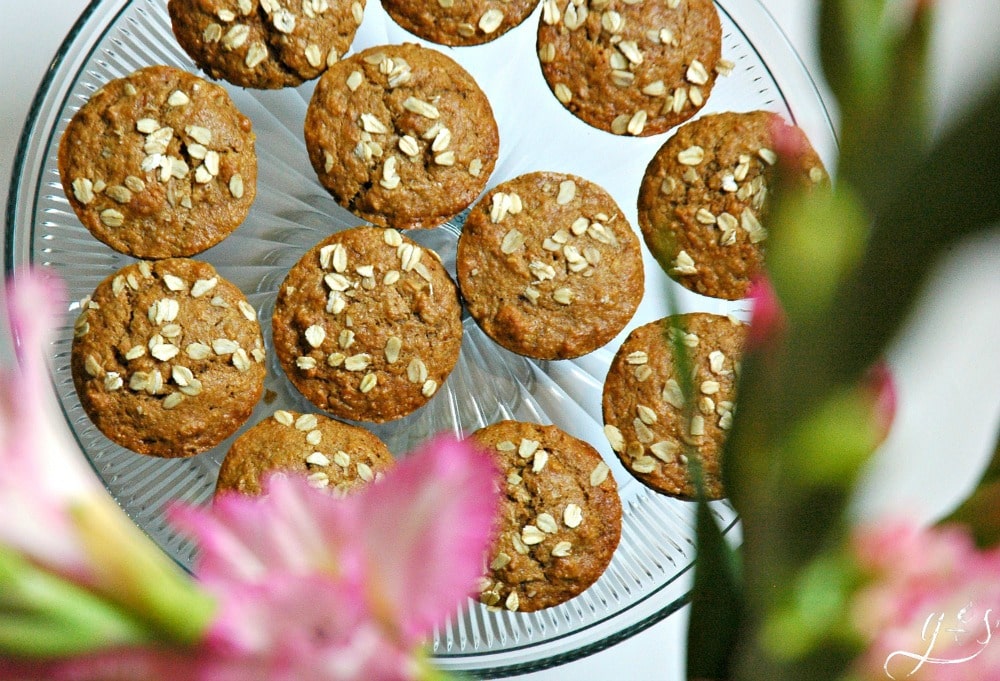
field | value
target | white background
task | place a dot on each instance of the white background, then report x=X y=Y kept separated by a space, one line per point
x=947 y=362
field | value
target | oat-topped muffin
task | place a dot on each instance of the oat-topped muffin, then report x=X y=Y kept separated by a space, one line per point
x=401 y=135
x=704 y=198
x=469 y=22
x=168 y=358
x=332 y=455
x=631 y=68
x=159 y=164
x=367 y=325
x=549 y=267
x=560 y=520
x=265 y=43
x=647 y=420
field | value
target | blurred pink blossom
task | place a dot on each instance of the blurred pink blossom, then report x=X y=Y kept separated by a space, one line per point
x=41 y=474
x=316 y=587
x=931 y=609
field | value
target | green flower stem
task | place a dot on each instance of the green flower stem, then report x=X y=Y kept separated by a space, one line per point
x=46 y=616
x=716 y=602
x=137 y=576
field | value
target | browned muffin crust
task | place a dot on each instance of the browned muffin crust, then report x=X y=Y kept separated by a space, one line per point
x=328 y=453
x=159 y=164
x=401 y=135
x=703 y=199
x=549 y=267
x=168 y=358
x=266 y=44
x=560 y=521
x=630 y=68
x=447 y=22
x=367 y=325
x=646 y=417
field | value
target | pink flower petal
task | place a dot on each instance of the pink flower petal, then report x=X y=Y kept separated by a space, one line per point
x=41 y=471
x=312 y=586
x=428 y=526
x=293 y=528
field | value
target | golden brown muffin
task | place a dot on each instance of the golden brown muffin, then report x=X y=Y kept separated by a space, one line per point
x=367 y=325
x=159 y=164
x=631 y=68
x=330 y=454
x=447 y=22
x=560 y=521
x=401 y=135
x=168 y=358
x=647 y=419
x=265 y=44
x=704 y=198
x=549 y=267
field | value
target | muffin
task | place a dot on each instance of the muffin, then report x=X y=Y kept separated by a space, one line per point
x=704 y=197
x=560 y=520
x=648 y=421
x=549 y=267
x=330 y=454
x=367 y=325
x=168 y=357
x=446 y=22
x=159 y=164
x=401 y=135
x=265 y=44
x=630 y=68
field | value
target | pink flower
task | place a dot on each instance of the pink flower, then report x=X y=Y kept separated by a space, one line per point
x=316 y=587
x=931 y=609
x=41 y=472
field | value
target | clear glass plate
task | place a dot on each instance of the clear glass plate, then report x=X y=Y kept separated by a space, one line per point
x=648 y=578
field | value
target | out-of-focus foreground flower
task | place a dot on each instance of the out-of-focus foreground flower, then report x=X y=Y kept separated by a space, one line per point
x=931 y=605
x=293 y=585
x=322 y=588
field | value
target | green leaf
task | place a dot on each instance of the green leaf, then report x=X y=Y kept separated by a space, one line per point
x=852 y=45
x=816 y=240
x=814 y=618
x=831 y=445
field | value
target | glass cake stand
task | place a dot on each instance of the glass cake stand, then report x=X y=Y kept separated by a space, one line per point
x=649 y=576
